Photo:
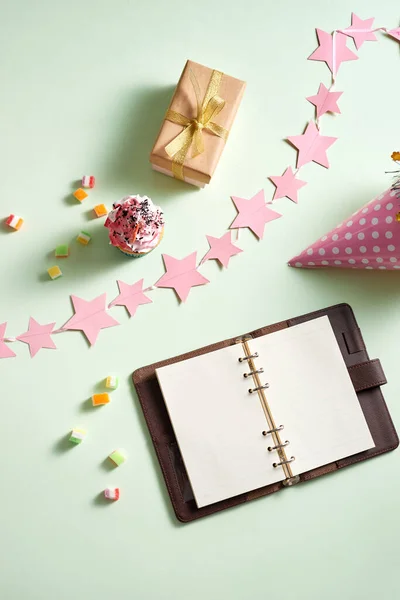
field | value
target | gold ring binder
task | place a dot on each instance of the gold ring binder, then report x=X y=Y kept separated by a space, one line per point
x=260 y=387
x=272 y=448
x=260 y=370
x=283 y=462
x=249 y=357
x=272 y=430
x=279 y=447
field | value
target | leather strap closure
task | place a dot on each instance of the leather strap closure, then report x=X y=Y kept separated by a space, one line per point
x=367 y=375
x=353 y=340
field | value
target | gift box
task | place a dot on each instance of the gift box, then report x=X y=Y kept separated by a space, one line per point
x=367 y=239
x=197 y=124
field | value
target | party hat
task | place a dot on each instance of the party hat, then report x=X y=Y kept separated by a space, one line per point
x=368 y=239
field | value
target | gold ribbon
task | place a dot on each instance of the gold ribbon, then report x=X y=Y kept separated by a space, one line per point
x=192 y=133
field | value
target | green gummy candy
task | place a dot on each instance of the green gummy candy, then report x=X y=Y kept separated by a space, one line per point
x=75 y=440
x=109 y=383
x=117 y=457
x=62 y=250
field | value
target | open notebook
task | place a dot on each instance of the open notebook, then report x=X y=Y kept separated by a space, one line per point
x=302 y=411
x=206 y=427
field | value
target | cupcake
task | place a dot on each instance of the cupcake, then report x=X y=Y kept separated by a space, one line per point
x=136 y=225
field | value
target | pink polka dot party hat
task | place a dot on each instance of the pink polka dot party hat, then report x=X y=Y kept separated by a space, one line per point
x=368 y=239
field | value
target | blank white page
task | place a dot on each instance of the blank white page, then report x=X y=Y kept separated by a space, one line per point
x=312 y=395
x=218 y=425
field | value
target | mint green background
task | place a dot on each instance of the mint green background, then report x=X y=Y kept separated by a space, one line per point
x=84 y=86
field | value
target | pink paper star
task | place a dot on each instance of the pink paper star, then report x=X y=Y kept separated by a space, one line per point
x=287 y=185
x=312 y=146
x=394 y=33
x=325 y=101
x=221 y=249
x=90 y=317
x=5 y=351
x=181 y=275
x=253 y=213
x=130 y=296
x=325 y=51
x=360 y=30
x=38 y=336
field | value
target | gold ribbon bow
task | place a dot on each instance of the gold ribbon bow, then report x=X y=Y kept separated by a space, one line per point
x=211 y=106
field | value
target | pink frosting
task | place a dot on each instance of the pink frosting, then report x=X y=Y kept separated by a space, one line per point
x=135 y=224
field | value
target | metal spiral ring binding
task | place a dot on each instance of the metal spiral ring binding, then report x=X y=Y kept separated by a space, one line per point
x=271 y=448
x=260 y=387
x=283 y=462
x=291 y=481
x=242 y=358
x=273 y=430
x=253 y=371
x=260 y=370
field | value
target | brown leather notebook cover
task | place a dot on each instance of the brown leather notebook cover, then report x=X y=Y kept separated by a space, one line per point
x=367 y=377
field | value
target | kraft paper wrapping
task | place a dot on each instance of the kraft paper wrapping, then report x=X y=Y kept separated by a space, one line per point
x=198 y=170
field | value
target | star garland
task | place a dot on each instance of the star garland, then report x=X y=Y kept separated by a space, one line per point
x=254 y=213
